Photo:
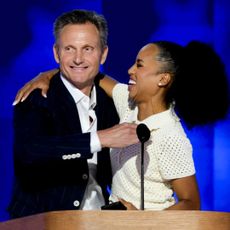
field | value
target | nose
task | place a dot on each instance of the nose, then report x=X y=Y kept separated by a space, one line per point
x=131 y=70
x=78 y=57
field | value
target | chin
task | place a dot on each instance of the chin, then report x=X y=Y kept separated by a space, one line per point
x=131 y=97
x=132 y=92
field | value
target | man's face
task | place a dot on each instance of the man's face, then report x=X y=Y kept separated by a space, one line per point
x=79 y=53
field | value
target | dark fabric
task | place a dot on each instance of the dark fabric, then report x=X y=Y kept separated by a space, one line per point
x=45 y=130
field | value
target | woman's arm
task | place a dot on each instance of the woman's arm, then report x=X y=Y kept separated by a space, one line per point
x=41 y=81
x=187 y=193
x=107 y=83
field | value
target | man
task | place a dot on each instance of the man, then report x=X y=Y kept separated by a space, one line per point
x=60 y=158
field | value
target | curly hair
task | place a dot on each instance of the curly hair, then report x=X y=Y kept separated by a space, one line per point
x=200 y=86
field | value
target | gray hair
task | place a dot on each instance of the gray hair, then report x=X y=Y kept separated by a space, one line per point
x=82 y=17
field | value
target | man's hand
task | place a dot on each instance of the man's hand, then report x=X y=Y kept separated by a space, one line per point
x=41 y=81
x=118 y=136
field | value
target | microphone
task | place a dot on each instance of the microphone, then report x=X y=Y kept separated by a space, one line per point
x=143 y=134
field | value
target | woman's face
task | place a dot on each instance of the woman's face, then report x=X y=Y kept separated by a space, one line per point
x=145 y=75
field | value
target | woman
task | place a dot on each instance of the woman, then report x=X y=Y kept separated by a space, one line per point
x=165 y=77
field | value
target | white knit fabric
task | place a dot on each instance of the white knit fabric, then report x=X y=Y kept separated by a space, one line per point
x=168 y=155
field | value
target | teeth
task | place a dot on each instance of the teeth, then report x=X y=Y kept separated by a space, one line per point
x=78 y=67
x=132 y=82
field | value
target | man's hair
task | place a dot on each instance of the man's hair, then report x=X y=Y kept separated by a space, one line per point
x=82 y=17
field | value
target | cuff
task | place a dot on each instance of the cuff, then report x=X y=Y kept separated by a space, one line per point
x=95 y=144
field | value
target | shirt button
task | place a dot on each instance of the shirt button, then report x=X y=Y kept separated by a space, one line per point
x=73 y=156
x=76 y=203
x=84 y=176
x=78 y=155
x=64 y=157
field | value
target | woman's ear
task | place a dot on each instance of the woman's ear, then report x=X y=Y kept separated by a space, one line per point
x=165 y=79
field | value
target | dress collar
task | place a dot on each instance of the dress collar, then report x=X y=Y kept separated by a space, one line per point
x=159 y=120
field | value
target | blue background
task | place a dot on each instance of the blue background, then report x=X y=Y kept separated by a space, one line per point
x=26 y=49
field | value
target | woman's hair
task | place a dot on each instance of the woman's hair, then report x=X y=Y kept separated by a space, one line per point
x=82 y=17
x=200 y=86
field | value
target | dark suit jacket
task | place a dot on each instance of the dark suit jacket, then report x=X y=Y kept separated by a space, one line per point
x=45 y=130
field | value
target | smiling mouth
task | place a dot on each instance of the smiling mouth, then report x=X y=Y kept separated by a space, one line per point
x=77 y=68
x=131 y=82
x=131 y=85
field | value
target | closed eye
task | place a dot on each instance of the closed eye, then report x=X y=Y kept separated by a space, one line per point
x=139 y=63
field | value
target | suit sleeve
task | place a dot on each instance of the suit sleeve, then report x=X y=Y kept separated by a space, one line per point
x=36 y=139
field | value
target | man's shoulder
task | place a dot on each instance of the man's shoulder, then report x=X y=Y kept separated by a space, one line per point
x=101 y=95
x=36 y=95
x=33 y=101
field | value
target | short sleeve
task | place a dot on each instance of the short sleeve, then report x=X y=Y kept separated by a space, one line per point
x=120 y=97
x=175 y=159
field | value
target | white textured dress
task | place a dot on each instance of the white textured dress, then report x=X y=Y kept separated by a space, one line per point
x=168 y=155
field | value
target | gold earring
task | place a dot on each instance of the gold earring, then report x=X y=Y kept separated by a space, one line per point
x=159 y=84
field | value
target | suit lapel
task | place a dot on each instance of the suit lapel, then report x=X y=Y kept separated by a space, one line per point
x=67 y=109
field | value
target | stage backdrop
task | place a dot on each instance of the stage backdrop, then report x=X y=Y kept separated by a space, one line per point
x=26 y=49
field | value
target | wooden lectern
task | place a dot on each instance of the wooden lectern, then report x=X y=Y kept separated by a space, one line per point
x=103 y=220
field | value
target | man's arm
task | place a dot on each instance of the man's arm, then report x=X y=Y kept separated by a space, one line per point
x=118 y=136
x=35 y=138
x=42 y=148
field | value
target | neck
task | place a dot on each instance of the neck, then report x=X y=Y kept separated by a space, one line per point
x=87 y=90
x=84 y=87
x=147 y=109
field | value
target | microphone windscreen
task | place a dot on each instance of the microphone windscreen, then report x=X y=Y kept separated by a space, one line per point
x=143 y=133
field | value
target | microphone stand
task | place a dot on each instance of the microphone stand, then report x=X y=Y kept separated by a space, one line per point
x=143 y=134
x=142 y=176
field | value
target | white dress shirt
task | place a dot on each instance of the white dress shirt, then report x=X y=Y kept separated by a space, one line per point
x=93 y=197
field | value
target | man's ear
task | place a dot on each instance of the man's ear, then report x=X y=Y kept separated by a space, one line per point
x=55 y=52
x=104 y=55
x=165 y=79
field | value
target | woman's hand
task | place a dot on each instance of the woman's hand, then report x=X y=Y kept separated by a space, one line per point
x=128 y=205
x=41 y=81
